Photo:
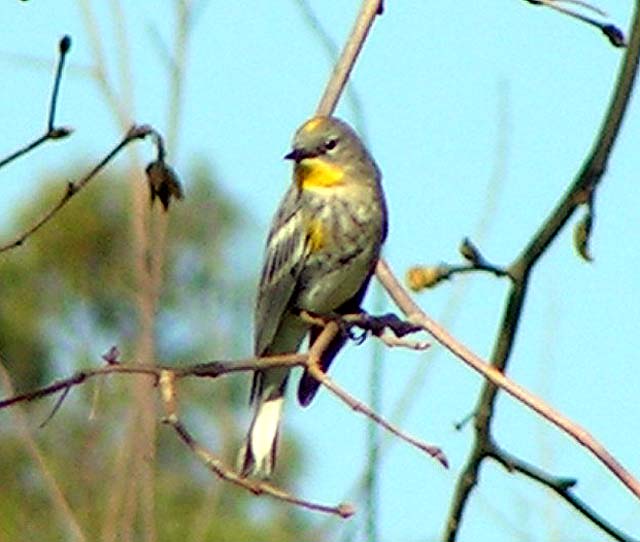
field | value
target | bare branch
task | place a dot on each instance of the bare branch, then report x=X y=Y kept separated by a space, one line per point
x=498 y=380
x=313 y=366
x=215 y=464
x=562 y=486
x=612 y=32
x=581 y=191
x=72 y=188
x=212 y=369
x=342 y=69
x=51 y=132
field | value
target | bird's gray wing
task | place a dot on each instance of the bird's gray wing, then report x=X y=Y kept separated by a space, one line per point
x=284 y=258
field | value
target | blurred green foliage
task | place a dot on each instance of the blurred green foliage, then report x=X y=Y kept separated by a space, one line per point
x=67 y=295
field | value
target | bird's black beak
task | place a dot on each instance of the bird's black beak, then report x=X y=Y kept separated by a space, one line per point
x=299 y=154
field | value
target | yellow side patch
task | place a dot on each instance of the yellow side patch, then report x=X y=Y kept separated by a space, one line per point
x=317 y=173
x=317 y=239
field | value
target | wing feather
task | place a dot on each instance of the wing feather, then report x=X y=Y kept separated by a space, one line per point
x=284 y=258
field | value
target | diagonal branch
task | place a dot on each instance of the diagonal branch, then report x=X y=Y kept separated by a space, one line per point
x=519 y=273
x=497 y=379
x=348 y=57
x=215 y=464
x=560 y=485
x=72 y=188
x=313 y=366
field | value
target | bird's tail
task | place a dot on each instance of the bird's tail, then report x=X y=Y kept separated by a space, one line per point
x=257 y=455
x=308 y=386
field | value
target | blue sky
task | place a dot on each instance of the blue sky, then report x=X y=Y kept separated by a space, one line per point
x=443 y=87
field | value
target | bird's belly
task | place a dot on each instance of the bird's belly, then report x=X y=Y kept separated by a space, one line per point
x=334 y=282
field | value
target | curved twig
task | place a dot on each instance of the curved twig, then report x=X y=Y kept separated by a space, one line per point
x=72 y=188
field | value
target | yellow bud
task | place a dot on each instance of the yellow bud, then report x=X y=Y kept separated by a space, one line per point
x=419 y=278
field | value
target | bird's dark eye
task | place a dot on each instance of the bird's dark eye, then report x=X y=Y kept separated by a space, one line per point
x=330 y=144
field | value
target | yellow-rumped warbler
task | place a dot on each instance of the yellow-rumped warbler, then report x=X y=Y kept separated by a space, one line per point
x=321 y=251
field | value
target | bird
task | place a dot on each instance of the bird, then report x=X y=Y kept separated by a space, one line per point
x=322 y=248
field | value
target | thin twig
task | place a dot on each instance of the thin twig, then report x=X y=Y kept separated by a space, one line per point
x=212 y=369
x=72 y=188
x=611 y=31
x=561 y=485
x=215 y=464
x=313 y=366
x=65 y=45
x=257 y=487
x=51 y=132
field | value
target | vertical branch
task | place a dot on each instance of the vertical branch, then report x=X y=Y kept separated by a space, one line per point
x=585 y=183
x=373 y=431
x=135 y=469
x=177 y=65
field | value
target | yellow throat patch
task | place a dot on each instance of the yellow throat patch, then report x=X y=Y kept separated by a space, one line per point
x=314 y=173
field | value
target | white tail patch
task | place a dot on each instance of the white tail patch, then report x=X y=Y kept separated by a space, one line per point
x=264 y=432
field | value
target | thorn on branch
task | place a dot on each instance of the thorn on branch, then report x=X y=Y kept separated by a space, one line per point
x=566 y=483
x=459 y=426
x=56 y=407
x=470 y=252
x=582 y=235
x=60 y=133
